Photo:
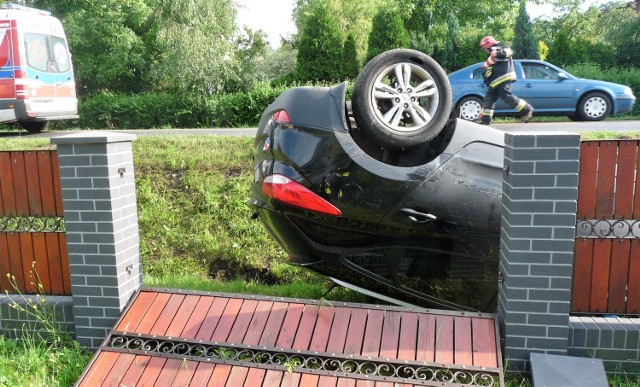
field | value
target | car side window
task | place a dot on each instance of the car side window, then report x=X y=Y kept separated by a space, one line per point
x=477 y=73
x=539 y=71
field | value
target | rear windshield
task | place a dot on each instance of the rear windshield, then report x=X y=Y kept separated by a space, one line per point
x=47 y=53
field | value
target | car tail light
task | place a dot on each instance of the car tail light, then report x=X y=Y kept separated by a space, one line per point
x=22 y=89
x=282 y=117
x=285 y=190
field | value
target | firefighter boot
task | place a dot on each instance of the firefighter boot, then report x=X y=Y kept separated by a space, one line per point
x=527 y=113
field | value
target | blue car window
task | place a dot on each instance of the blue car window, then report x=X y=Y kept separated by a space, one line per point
x=477 y=73
x=539 y=71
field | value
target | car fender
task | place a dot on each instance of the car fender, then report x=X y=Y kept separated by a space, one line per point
x=597 y=87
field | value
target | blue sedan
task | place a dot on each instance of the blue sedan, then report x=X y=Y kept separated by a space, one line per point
x=548 y=88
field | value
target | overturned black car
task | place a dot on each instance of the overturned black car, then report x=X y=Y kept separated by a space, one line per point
x=388 y=194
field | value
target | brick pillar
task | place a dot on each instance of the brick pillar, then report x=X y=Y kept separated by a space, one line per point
x=100 y=212
x=539 y=205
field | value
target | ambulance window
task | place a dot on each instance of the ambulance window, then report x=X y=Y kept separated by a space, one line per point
x=61 y=55
x=4 y=49
x=37 y=56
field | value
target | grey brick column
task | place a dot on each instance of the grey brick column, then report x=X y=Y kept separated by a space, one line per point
x=539 y=205
x=100 y=212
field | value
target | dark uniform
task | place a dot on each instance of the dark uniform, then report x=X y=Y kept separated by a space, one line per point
x=499 y=75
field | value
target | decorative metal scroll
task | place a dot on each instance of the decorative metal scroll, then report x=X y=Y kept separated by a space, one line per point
x=608 y=228
x=32 y=224
x=360 y=367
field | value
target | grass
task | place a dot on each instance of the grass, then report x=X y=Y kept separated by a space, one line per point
x=196 y=233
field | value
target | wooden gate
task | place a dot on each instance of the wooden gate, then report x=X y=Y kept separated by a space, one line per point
x=33 y=247
x=607 y=252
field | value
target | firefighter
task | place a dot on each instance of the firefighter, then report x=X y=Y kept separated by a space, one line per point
x=499 y=74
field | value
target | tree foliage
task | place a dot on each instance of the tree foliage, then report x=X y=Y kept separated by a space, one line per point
x=451 y=44
x=387 y=32
x=525 y=41
x=350 y=64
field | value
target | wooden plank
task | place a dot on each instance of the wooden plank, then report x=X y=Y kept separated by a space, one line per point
x=151 y=372
x=619 y=276
x=272 y=378
x=212 y=318
x=119 y=370
x=203 y=374
x=444 y=339
x=600 y=275
x=373 y=333
x=169 y=311
x=339 y=329
x=306 y=326
x=64 y=262
x=56 y=273
x=290 y=379
x=5 y=265
x=99 y=369
x=463 y=347
x=309 y=380
x=227 y=319
x=185 y=374
x=322 y=331
x=258 y=323
x=582 y=267
x=20 y=183
x=182 y=316
x=633 y=301
x=328 y=381
x=15 y=260
x=606 y=179
x=625 y=180
x=220 y=375
x=168 y=372
x=136 y=312
x=27 y=256
x=57 y=189
x=636 y=200
x=34 y=196
x=255 y=376
x=6 y=176
x=47 y=187
x=41 y=256
x=290 y=326
x=346 y=382
x=588 y=179
x=355 y=335
x=242 y=321
x=390 y=342
x=274 y=323
x=197 y=317
x=135 y=370
x=484 y=343
x=408 y=336
x=152 y=313
x=425 y=350
x=237 y=376
x=365 y=383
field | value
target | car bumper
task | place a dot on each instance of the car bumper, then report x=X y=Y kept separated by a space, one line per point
x=624 y=104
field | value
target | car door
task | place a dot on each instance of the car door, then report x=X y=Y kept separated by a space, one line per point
x=546 y=87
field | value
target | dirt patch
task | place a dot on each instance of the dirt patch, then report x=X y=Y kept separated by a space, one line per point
x=225 y=270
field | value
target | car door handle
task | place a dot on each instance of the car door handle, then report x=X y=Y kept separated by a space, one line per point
x=527 y=85
x=417 y=216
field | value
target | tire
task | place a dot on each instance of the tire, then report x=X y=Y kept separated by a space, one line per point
x=34 y=126
x=594 y=107
x=574 y=117
x=470 y=108
x=396 y=113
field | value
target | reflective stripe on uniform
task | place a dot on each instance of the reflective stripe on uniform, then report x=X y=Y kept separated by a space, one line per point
x=506 y=77
x=521 y=105
x=487 y=112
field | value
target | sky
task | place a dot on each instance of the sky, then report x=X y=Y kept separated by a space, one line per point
x=274 y=16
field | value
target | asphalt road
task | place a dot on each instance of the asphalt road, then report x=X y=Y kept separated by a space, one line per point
x=608 y=125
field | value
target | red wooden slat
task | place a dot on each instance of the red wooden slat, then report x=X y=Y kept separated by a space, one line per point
x=27 y=257
x=118 y=370
x=203 y=374
x=242 y=321
x=227 y=319
x=212 y=319
x=346 y=382
x=20 y=183
x=290 y=379
x=3 y=180
x=151 y=372
x=15 y=260
x=365 y=383
x=152 y=313
x=185 y=374
x=290 y=326
x=41 y=257
x=136 y=312
x=57 y=190
x=390 y=335
x=183 y=315
x=636 y=201
x=306 y=326
x=309 y=380
x=633 y=301
x=168 y=372
x=168 y=313
x=8 y=194
x=254 y=377
x=339 y=329
x=373 y=333
x=583 y=264
x=5 y=265
x=425 y=350
x=484 y=342
x=587 y=184
x=327 y=381
x=64 y=262
x=100 y=369
x=355 y=335
x=47 y=187
x=220 y=375
x=619 y=275
x=33 y=183
x=193 y=324
x=600 y=275
x=322 y=330
x=135 y=370
x=272 y=378
x=625 y=180
x=463 y=352
x=444 y=339
x=56 y=273
x=237 y=376
x=408 y=336
x=606 y=179
x=276 y=318
x=258 y=323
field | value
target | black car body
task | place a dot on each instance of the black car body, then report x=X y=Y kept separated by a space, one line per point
x=414 y=226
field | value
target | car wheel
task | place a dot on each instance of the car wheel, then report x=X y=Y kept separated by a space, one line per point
x=401 y=98
x=34 y=126
x=574 y=117
x=470 y=108
x=594 y=107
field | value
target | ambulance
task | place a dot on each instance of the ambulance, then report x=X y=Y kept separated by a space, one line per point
x=36 y=75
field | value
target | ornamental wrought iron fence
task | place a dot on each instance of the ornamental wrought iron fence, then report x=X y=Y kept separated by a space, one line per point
x=32 y=233
x=607 y=251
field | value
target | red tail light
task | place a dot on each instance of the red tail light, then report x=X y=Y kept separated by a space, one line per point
x=282 y=117
x=285 y=190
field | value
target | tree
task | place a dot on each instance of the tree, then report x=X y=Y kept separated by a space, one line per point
x=387 y=32
x=451 y=45
x=350 y=64
x=525 y=41
x=561 y=52
x=320 y=49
